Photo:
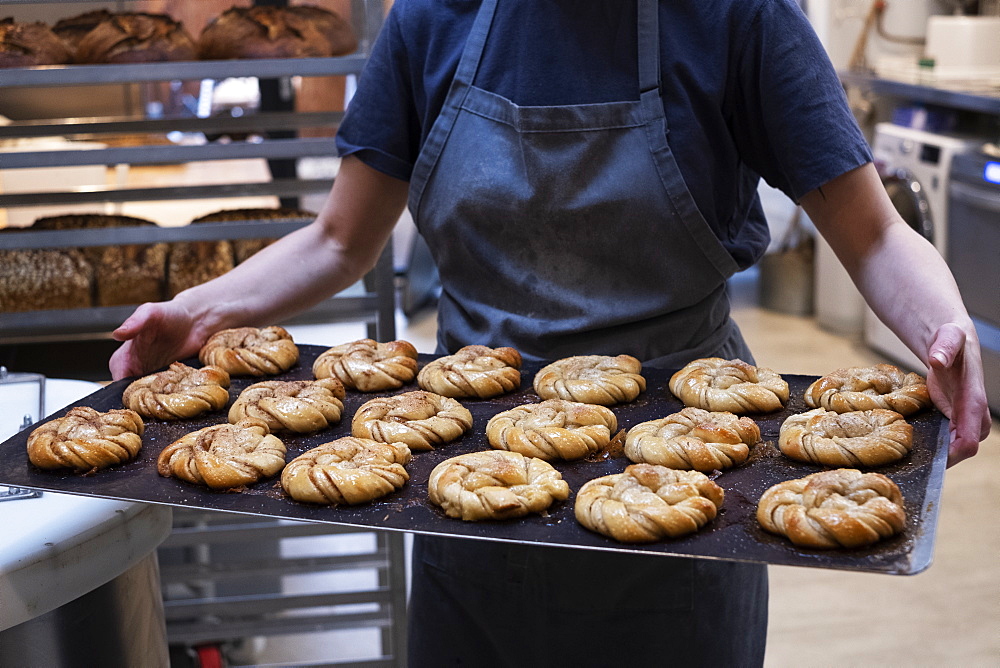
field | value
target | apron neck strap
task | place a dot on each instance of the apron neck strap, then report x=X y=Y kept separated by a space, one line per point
x=473 y=52
x=649 y=46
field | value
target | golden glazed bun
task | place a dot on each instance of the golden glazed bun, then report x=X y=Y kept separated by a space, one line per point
x=592 y=379
x=717 y=384
x=302 y=31
x=249 y=351
x=31 y=45
x=300 y=406
x=553 y=429
x=369 y=366
x=648 y=503
x=348 y=470
x=421 y=420
x=693 y=439
x=865 y=388
x=224 y=456
x=859 y=438
x=474 y=371
x=179 y=392
x=85 y=440
x=841 y=508
x=495 y=485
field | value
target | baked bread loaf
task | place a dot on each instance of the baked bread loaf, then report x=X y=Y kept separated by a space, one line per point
x=244 y=248
x=369 y=366
x=129 y=274
x=693 y=439
x=592 y=379
x=191 y=263
x=300 y=406
x=74 y=28
x=865 y=388
x=833 y=509
x=86 y=440
x=303 y=31
x=476 y=372
x=716 y=384
x=136 y=37
x=553 y=429
x=224 y=456
x=41 y=279
x=178 y=393
x=249 y=351
x=859 y=438
x=495 y=485
x=348 y=470
x=647 y=503
x=421 y=420
x=30 y=45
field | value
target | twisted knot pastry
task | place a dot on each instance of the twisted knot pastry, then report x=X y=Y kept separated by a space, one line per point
x=865 y=388
x=474 y=371
x=648 y=502
x=858 y=438
x=832 y=509
x=301 y=406
x=716 y=384
x=346 y=471
x=178 y=393
x=495 y=485
x=248 y=351
x=86 y=440
x=224 y=456
x=693 y=439
x=421 y=420
x=369 y=366
x=552 y=429
x=592 y=379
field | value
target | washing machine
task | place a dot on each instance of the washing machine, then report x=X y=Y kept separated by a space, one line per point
x=915 y=168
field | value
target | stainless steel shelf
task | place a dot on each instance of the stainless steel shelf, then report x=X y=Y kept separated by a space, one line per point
x=982 y=102
x=233 y=229
x=272 y=149
x=277 y=188
x=250 y=123
x=194 y=70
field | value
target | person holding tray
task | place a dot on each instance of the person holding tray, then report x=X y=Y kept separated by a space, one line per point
x=585 y=175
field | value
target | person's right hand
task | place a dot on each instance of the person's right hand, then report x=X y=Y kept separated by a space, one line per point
x=155 y=335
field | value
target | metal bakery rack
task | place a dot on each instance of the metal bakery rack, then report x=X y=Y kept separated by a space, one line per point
x=222 y=573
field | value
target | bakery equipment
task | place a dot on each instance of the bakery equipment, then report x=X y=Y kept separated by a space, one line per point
x=974 y=212
x=914 y=166
x=733 y=535
x=964 y=46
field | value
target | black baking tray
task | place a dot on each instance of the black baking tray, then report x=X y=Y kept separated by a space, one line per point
x=733 y=535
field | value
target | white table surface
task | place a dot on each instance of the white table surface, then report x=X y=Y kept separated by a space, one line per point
x=56 y=547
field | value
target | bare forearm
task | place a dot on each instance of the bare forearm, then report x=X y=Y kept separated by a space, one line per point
x=909 y=286
x=283 y=279
x=901 y=275
x=310 y=264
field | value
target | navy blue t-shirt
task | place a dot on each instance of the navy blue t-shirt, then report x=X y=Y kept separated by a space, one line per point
x=748 y=91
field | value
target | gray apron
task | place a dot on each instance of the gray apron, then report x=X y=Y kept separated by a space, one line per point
x=569 y=230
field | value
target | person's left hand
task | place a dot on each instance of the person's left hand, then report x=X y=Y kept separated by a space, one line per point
x=955 y=383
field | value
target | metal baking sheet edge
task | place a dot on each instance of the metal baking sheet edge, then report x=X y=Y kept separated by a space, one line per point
x=733 y=535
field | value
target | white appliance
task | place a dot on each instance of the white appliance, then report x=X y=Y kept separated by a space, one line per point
x=915 y=168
